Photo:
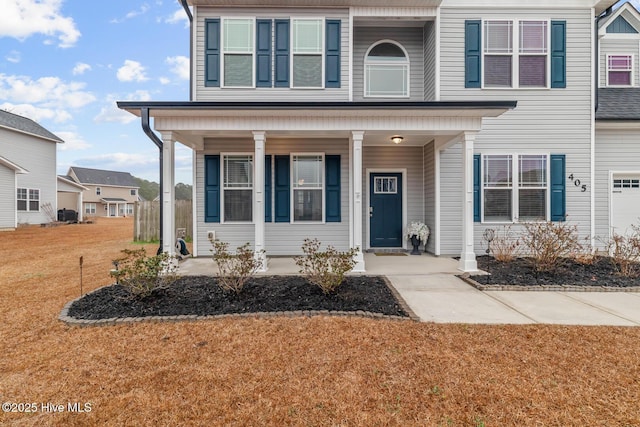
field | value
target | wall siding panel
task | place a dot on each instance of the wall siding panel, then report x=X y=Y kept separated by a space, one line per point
x=429 y=43
x=7 y=198
x=430 y=193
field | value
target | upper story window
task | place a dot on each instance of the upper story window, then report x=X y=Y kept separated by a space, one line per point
x=238 y=52
x=386 y=69
x=133 y=192
x=98 y=191
x=619 y=70
x=516 y=54
x=307 y=40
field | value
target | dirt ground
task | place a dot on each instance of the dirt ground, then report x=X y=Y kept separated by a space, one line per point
x=315 y=371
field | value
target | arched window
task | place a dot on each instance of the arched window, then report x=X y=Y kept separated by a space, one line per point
x=386 y=71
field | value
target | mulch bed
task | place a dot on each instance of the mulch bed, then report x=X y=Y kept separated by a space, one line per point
x=201 y=296
x=602 y=273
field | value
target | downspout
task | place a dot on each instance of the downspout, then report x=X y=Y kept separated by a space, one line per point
x=596 y=77
x=144 y=114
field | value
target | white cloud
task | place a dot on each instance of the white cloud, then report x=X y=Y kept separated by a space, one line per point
x=110 y=113
x=72 y=141
x=132 y=14
x=36 y=113
x=131 y=71
x=164 y=80
x=179 y=66
x=23 y=18
x=81 y=68
x=50 y=92
x=137 y=164
x=14 y=56
x=179 y=16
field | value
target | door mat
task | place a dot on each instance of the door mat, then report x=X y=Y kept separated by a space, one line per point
x=391 y=254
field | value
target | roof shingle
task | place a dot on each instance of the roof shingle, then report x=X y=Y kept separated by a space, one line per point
x=23 y=124
x=104 y=177
x=618 y=104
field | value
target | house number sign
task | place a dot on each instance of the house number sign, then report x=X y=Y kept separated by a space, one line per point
x=576 y=182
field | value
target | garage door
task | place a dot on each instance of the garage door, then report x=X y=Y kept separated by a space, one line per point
x=625 y=200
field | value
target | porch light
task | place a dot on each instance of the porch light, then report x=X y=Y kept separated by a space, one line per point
x=397 y=139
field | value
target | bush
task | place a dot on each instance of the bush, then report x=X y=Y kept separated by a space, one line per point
x=549 y=243
x=625 y=252
x=234 y=270
x=325 y=269
x=142 y=275
x=501 y=243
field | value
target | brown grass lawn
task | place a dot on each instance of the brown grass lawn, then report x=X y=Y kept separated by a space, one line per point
x=318 y=371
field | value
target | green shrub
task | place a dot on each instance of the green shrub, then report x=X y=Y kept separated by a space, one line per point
x=234 y=270
x=325 y=269
x=141 y=275
x=549 y=243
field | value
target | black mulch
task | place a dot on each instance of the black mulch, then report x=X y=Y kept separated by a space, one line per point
x=519 y=272
x=200 y=295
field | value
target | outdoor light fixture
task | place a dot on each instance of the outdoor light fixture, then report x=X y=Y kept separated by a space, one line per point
x=397 y=139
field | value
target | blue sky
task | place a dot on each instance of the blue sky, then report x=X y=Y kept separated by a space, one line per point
x=65 y=63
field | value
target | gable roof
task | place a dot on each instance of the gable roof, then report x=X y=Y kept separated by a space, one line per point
x=22 y=124
x=625 y=19
x=618 y=104
x=66 y=179
x=103 y=177
x=10 y=165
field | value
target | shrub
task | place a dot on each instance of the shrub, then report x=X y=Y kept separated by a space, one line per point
x=234 y=270
x=325 y=269
x=501 y=243
x=625 y=252
x=549 y=243
x=141 y=275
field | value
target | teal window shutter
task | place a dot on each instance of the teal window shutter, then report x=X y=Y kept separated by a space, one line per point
x=558 y=54
x=332 y=53
x=267 y=188
x=212 y=188
x=332 y=188
x=473 y=54
x=263 y=53
x=212 y=53
x=282 y=186
x=281 y=53
x=558 y=189
x=477 y=174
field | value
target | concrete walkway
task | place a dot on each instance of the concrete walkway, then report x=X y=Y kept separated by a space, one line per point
x=429 y=286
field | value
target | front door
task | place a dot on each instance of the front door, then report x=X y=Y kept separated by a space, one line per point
x=385 y=210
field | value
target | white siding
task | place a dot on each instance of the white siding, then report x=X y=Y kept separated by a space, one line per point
x=616 y=150
x=430 y=194
x=270 y=94
x=429 y=61
x=451 y=201
x=7 y=198
x=38 y=156
x=281 y=238
x=556 y=121
x=619 y=46
x=409 y=38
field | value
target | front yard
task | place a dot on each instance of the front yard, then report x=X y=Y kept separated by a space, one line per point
x=311 y=371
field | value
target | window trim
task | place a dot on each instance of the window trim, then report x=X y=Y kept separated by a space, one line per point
x=28 y=199
x=98 y=191
x=292 y=188
x=90 y=205
x=515 y=54
x=223 y=52
x=367 y=62
x=323 y=48
x=515 y=185
x=223 y=188
x=631 y=69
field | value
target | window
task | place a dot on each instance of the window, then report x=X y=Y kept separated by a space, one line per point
x=307 y=39
x=90 y=208
x=515 y=184
x=238 y=52
x=129 y=209
x=386 y=71
x=626 y=183
x=28 y=199
x=307 y=178
x=619 y=70
x=385 y=185
x=22 y=199
x=133 y=191
x=98 y=191
x=516 y=54
x=238 y=188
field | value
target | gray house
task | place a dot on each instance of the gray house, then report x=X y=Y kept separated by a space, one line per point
x=456 y=113
x=27 y=171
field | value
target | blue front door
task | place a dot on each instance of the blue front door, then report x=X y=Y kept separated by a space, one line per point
x=385 y=211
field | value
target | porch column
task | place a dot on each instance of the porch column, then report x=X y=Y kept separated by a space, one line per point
x=468 y=256
x=168 y=195
x=258 y=198
x=356 y=197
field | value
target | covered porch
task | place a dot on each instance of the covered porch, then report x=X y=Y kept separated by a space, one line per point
x=361 y=131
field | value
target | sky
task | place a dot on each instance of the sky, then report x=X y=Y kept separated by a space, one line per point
x=65 y=63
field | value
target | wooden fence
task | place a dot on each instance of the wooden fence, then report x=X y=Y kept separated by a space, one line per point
x=147 y=220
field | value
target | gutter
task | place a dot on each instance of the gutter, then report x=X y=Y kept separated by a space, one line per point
x=596 y=76
x=144 y=115
x=185 y=6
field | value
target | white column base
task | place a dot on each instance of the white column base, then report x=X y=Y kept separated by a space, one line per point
x=468 y=262
x=359 y=259
x=262 y=257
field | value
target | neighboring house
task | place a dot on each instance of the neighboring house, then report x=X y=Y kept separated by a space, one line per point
x=106 y=193
x=27 y=171
x=70 y=195
x=345 y=120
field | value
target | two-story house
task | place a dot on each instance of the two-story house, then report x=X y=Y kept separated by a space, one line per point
x=106 y=193
x=345 y=120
